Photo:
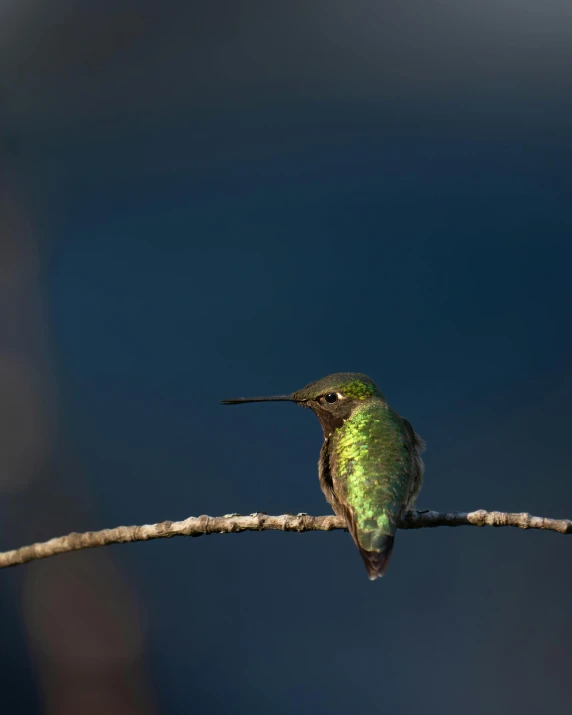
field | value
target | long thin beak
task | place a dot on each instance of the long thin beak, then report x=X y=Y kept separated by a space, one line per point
x=271 y=398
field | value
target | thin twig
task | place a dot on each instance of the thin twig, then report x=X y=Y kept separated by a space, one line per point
x=234 y=523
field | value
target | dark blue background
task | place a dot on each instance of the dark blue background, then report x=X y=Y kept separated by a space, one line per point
x=241 y=198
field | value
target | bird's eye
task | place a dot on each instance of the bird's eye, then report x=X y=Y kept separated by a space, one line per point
x=331 y=397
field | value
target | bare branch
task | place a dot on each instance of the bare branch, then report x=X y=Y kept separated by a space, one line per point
x=234 y=523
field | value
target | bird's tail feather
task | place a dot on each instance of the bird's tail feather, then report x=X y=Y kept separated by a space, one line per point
x=376 y=562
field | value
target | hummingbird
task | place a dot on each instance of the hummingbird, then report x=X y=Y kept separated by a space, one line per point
x=370 y=466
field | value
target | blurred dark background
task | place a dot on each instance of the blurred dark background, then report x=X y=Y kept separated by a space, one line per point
x=203 y=200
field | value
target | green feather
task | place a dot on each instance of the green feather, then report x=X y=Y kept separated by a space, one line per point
x=372 y=461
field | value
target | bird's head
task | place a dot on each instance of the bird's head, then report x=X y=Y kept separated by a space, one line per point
x=333 y=398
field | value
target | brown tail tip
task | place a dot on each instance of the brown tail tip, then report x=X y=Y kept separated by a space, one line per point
x=376 y=562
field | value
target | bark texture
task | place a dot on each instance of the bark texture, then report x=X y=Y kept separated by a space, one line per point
x=234 y=523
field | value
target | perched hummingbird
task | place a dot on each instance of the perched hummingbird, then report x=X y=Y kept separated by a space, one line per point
x=370 y=464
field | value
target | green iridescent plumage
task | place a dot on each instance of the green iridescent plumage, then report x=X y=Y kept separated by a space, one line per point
x=370 y=465
x=370 y=460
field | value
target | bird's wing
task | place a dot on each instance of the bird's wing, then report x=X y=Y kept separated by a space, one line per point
x=325 y=475
x=417 y=447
